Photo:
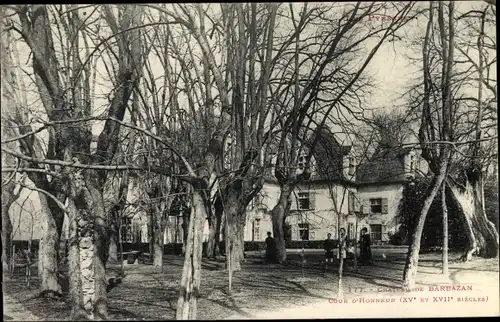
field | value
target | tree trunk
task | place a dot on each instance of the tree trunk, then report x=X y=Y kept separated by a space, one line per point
x=8 y=91
x=235 y=232
x=75 y=281
x=185 y=226
x=93 y=245
x=214 y=224
x=191 y=272
x=113 y=245
x=482 y=233
x=48 y=250
x=340 y=293
x=158 y=245
x=445 y=229
x=115 y=213
x=411 y=266
x=7 y=200
x=223 y=223
x=151 y=231
x=212 y=232
x=278 y=215
x=217 y=237
x=101 y=246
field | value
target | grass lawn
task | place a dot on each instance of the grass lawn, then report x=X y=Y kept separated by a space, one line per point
x=147 y=293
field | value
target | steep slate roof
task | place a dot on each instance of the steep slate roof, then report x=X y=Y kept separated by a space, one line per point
x=384 y=167
x=328 y=154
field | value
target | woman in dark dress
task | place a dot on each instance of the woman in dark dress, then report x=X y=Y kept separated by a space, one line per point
x=365 y=252
x=270 y=249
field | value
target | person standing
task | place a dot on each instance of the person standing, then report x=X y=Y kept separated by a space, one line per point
x=270 y=248
x=365 y=253
x=328 y=247
x=342 y=249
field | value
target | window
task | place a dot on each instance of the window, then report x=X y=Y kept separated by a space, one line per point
x=350 y=231
x=257 y=201
x=126 y=230
x=351 y=166
x=378 y=206
x=412 y=162
x=256 y=229
x=376 y=232
x=304 y=231
x=301 y=163
x=351 y=201
x=304 y=200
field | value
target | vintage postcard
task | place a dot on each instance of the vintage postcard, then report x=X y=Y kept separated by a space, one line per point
x=249 y=160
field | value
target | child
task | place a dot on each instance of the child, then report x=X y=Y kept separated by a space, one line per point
x=328 y=246
x=342 y=249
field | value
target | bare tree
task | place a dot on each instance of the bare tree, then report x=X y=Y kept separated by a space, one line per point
x=314 y=98
x=9 y=98
x=71 y=144
x=467 y=182
x=438 y=156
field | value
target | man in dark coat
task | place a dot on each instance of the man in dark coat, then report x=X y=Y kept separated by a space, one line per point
x=365 y=253
x=270 y=248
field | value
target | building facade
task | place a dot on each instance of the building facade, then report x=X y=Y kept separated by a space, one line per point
x=339 y=194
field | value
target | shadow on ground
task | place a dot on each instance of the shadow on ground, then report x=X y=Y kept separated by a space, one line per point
x=151 y=293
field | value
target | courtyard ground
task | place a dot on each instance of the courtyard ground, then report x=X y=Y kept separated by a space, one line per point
x=266 y=291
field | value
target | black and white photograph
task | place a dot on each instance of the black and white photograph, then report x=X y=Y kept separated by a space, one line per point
x=273 y=160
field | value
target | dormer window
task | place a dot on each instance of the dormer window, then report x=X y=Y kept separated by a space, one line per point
x=351 y=166
x=301 y=163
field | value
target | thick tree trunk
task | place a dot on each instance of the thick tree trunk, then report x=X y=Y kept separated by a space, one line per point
x=113 y=234
x=92 y=245
x=7 y=91
x=158 y=246
x=482 y=233
x=113 y=246
x=75 y=282
x=151 y=231
x=47 y=256
x=214 y=226
x=191 y=272
x=185 y=226
x=217 y=237
x=211 y=243
x=411 y=266
x=101 y=245
x=48 y=251
x=278 y=215
x=7 y=200
x=235 y=232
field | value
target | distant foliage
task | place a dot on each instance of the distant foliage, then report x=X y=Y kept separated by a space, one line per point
x=409 y=209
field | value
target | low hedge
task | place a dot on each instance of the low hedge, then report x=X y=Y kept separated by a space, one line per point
x=23 y=244
x=176 y=248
